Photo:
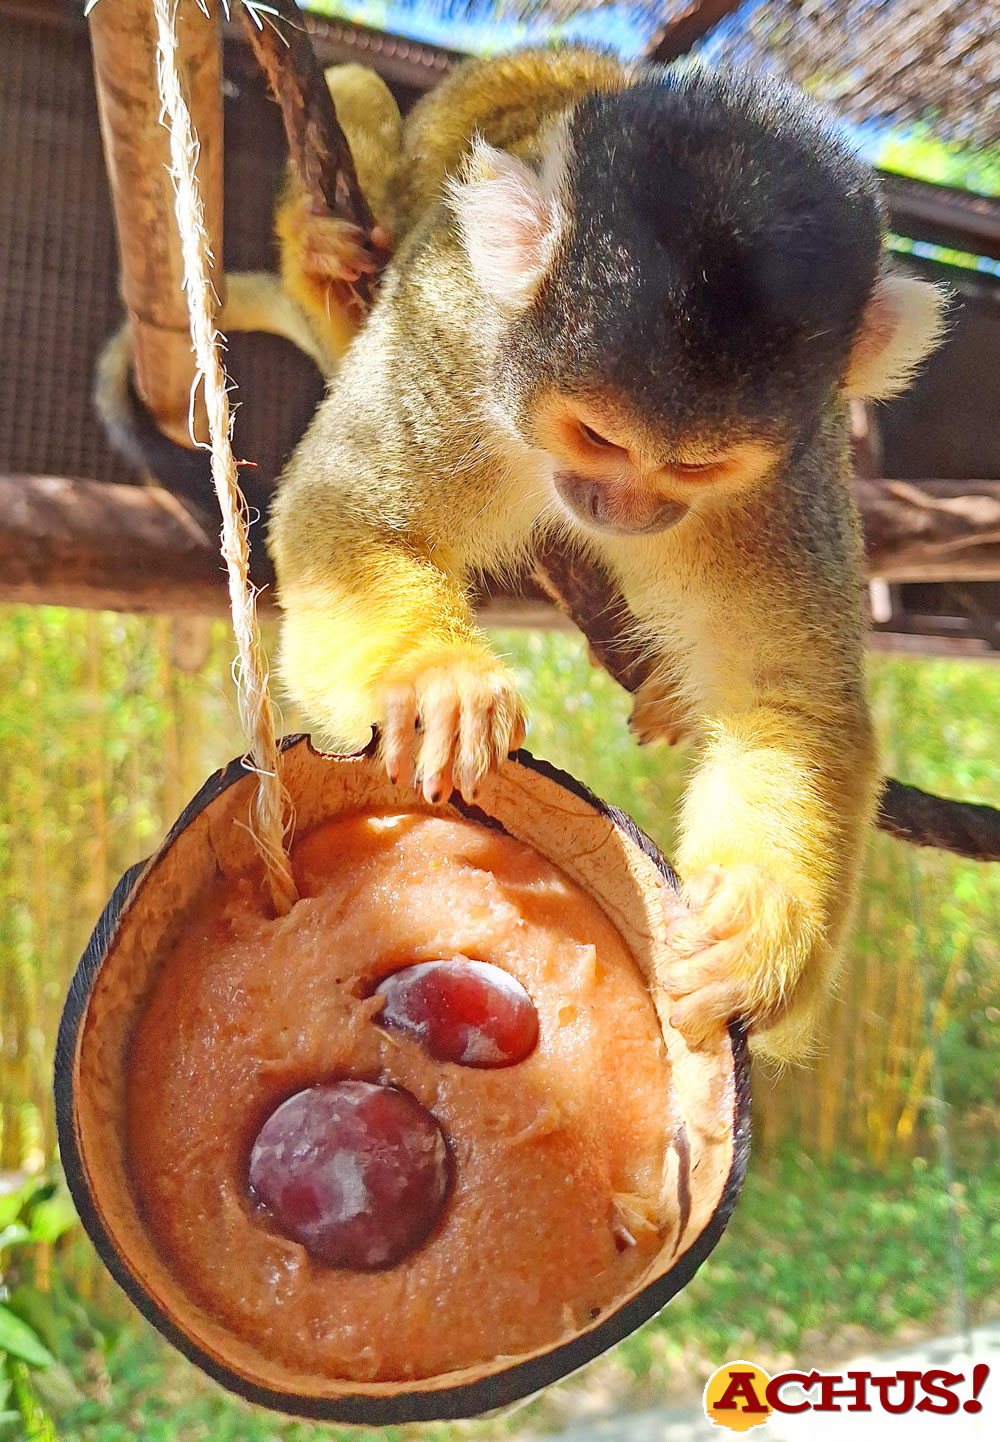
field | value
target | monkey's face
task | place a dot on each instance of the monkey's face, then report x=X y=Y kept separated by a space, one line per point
x=684 y=281
x=614 y=475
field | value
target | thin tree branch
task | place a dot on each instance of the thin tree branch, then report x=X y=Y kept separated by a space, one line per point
x=320 y=154
x=682 y=34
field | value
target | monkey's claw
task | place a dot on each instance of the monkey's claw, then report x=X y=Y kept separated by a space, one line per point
x=447 y=720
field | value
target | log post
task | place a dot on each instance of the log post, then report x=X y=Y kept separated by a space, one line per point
x=136 y=151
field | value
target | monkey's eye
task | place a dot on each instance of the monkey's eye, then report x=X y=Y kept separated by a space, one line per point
x=593 y=438
x=694 y=469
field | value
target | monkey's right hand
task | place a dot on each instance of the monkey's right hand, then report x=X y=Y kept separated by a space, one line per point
x=447 y=718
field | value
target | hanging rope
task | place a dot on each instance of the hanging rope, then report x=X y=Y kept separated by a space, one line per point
x=272 y=809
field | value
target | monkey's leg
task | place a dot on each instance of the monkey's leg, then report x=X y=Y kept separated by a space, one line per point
x=322 y=256
x=387 y=638
x=772 y=831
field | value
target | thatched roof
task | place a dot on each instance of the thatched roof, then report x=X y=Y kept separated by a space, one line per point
x=893 y=61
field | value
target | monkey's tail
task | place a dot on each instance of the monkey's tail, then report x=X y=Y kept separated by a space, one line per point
x=185 y=471
x=255 y=301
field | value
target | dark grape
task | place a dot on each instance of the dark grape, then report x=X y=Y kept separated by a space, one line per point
x=462 y=1011
x=357 y=1173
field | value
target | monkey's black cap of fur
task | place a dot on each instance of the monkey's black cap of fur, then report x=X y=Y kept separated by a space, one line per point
x=723 y=242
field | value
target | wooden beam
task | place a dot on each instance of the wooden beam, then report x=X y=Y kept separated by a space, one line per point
x=942 y=215
x=134 y=548
x=105 y=547
x=137 y=153
x=942 y=648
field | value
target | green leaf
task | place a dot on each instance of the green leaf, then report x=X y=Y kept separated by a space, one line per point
x=54 y=1320
x=37 y=1422
x=15 y=1191
x=18 y=1339
x=52 y=1217
x=13 y=1235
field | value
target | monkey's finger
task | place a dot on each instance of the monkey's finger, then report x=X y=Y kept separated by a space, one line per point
x=675 y=907
x=701 y=888
x=440 y=713
x=476 y=747
x=345 y=264
x=703 y=1013
x=699 y=960
x=507 y=726
x=399 y=733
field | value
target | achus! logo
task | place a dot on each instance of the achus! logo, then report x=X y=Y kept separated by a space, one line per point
x=741 y=1395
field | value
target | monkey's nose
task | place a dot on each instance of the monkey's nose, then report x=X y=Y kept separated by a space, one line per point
x=607 y=509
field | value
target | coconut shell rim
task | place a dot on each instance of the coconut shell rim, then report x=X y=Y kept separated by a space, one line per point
x=421 y=1403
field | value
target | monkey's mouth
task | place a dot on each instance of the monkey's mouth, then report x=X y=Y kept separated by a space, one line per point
x=611 y=512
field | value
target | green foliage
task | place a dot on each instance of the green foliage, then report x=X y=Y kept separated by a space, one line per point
x=918 y=152
x=813 y=1252
x=34 y=1212
x=52 y=1349
x=105 y=739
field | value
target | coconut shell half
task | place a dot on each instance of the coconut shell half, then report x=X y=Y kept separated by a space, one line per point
x=600 y=849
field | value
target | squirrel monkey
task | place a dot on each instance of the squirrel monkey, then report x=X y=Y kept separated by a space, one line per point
x=631 y=304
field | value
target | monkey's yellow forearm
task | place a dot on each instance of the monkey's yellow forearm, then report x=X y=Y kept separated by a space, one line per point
x=781 y=805
x=348 y=626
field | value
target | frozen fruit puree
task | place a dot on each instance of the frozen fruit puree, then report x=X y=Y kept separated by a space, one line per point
x=556 y=1204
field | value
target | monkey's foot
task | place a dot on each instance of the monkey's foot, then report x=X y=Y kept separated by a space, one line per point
x=447 y=718
x=737 y=952
x=658 y=715
x=325 y=252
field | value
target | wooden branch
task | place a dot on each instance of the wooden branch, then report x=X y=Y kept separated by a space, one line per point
x=130 y=548
x=98 y=546
x=682 y=33
x=317 y=146
x=942 y=215
x=120 y=548
x=134 y=548
x=136 y=149
x=931 y=530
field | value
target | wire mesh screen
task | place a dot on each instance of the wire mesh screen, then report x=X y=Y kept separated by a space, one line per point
x=58 y=264
x=58 y=276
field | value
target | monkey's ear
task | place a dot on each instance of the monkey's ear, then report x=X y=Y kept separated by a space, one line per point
x=902 y=323
x=510 y=218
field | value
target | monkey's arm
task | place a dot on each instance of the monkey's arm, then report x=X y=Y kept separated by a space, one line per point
x=376 y=524
x=377 y=632
x=774 y=819
x=772 y=836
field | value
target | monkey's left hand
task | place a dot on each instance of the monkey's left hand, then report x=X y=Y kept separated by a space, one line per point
x=737 y=951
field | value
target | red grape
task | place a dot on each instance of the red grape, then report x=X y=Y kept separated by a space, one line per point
x=462 y=1011
x=357 y=1173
